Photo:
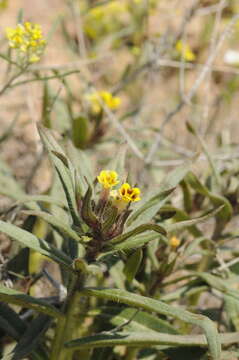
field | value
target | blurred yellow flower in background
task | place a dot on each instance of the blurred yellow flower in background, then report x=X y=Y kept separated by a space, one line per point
x=28 y=40
x=98 y=97
x=174 y=242
x=185 y=51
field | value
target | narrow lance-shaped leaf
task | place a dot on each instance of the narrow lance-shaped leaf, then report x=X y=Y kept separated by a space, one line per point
x=146 y=339
x=41 y=198
x=218 y=283
x=132 y=319
x=83 y=164
x=31 y=241
x=216 y=199
x=64 y=168
x=110 y=219
x=132 y=265
x=184 y=224
x=140 y=229
x=57 y=223
x=139 y=241
x=160 y=307
x=148 y=208
x=12 y=296
x=11 y=322
x=32 y=337
x=180 y=215
x=86 y=212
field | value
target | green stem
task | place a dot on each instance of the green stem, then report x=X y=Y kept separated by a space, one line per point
x=66 y=326
x=131 y=354
x=57 y=342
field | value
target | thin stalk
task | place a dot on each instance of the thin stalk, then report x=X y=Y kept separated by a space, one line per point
x=10 y=81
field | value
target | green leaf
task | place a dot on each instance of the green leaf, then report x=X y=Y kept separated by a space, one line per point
x=146 y=339
x=132 y=265
x=232 y=310
x=175 y=176
x=139 y=241
x=149 y=208
x=80 y=131
x=140 y=229
x=10 y=322
x=12 y=296
x=31 y=241
x=216 y=199
x=110 y=220
x=159 y=307
x=180 y=215
x=194 y=244
x=83 y=163
x=56 y=223
x=64 y=170
x=46 y=105
x=220 y=284
x=86 y=212
x=132 y=319
x=184 y=224
x=32 y=337
x=41 y=198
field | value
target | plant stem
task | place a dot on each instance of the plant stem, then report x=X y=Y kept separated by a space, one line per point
x=57 y=342
x=66 y=326
x=10 y=81
x=131 y=354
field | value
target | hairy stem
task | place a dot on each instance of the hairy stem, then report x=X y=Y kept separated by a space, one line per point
x=66 y=326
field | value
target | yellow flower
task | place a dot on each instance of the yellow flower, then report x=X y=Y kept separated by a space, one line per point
x=27 y=39
x=185 y=51
x=108 y=178
x=98 y=97
x=129 y=194
x=105 y=19
x=174 y=242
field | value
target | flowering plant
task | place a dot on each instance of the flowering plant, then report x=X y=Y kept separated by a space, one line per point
x=28 y=41
x=99 y=223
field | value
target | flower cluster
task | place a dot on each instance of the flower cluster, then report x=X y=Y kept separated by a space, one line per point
x=105 y=19
x=28 y=40
x=124 y=195
x=107 y=214
x=97 y=98
x=112 y=16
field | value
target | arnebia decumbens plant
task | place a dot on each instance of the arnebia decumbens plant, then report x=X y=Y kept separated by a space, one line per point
x=114 y=245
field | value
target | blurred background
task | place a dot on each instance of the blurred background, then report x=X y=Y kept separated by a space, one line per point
x=164 y=64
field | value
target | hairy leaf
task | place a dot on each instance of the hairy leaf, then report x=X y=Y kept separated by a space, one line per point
x=12 y=296
x=160 y=307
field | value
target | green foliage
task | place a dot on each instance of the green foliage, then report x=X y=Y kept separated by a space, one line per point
x=140 y=262
x=96 y=230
